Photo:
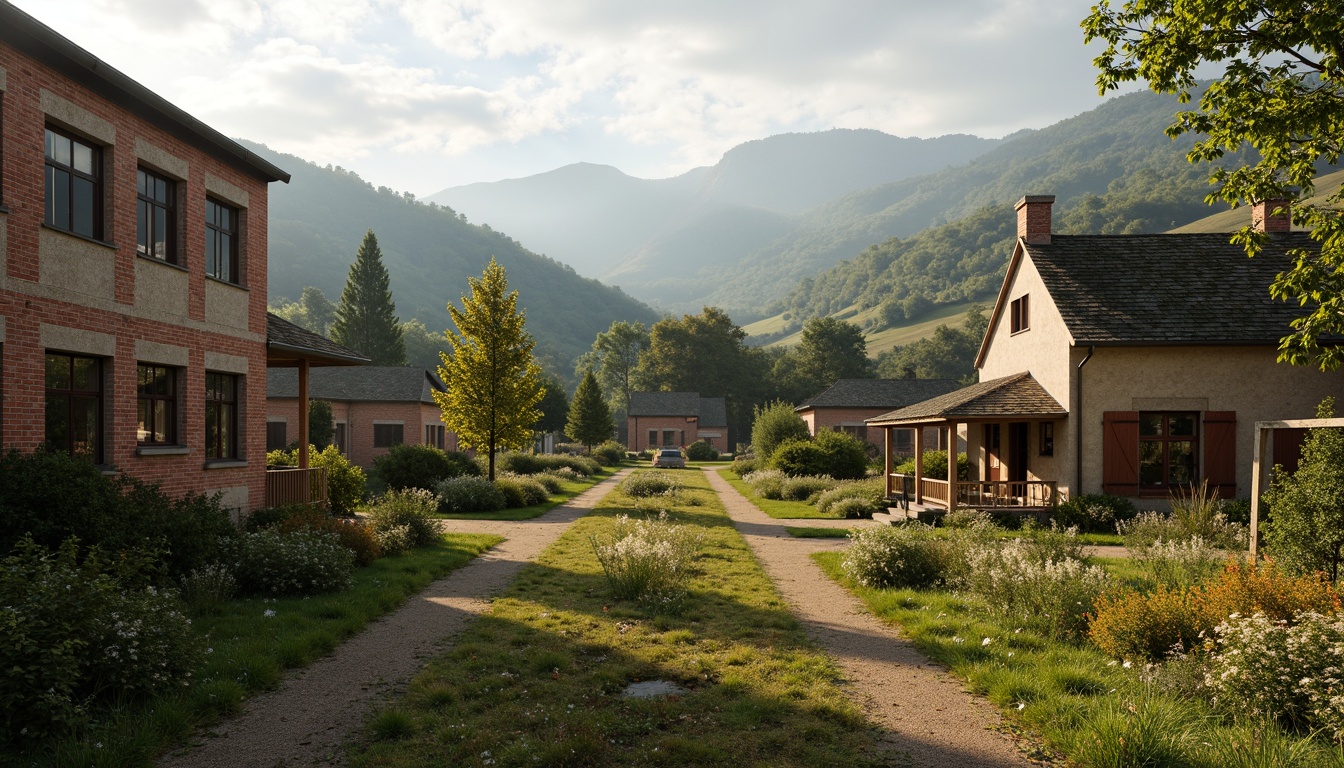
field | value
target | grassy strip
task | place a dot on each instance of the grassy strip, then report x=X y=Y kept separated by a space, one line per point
x=1091 y=539
x=1085 y=706
x=538 y=680
x=568 y=490
x=251 y=643
x=780 y=510
x=817 y=533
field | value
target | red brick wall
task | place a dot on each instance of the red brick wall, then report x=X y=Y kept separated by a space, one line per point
x=26 y=303
x=359 y=419
x=687 y=432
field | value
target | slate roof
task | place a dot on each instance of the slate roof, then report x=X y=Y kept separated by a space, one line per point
x=1167 y=289
x=366 y=383
x=888 y=394
x=285 y=336
x=711 y=411
x=1017 y=395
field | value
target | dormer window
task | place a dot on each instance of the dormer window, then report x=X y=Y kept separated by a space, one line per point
x=1018 y=315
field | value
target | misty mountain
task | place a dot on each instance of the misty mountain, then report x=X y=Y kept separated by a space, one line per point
x=316 y=223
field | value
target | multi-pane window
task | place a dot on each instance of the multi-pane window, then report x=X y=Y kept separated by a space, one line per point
x=277 y=437
x=434 y=435
x=1019 y=319
x=156 y=405
x=1167 y=445
x=339 y=438
x=74 y=405
x=156 y=209
x=74 y=186
x=387 y=435
x=221 y=416
x=221 y=241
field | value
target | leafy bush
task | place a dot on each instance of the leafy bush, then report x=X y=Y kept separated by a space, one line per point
x=846 y=455
x=610 y=453
x=300 y=563
x=1148 y=528
x=804 y=488
x=966 y=518
x=870 y=492
x=395 y=540
x=1131 y=625
x=896 y=556
x=270 y=517
x=1180 y=564
x=1053 y=596
x=352 y=533
x=701 y=451
x=1095 y=512
x=852 y=508
x=767 y=483
x=52 y=496
x=346 y=483
x=207 y=588
x=648 y=560
x=1306 y=528
x=550 y=481
x=799 y=458
x=421 y=466
x=411 y=509
x=71 y=633
x=642 y=485
x=935 y=466
x=774 y=424
x=468 y=494
x=745 y=465
x=531 y=464
x=1247 y=588
x=1051 y=544
x=521 y=490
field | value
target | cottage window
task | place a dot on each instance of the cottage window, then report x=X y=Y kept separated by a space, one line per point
x=434 y=435
x=156 y=216
x=1018 y=315
x=1167 y=447
x=74 y=189
x=387 y=435
x=221 y=241
x=1047 y=438
x=74 y=405
x=339 y=438
x=156 y=405
x=221 y=416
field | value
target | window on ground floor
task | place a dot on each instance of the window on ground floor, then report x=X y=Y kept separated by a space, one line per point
x=434 y=435
x=339 y=438
x=74 y=405
x=1167 y=447
x=277 y=435
x=387 y=435
x=156 y=405
x=221 y=416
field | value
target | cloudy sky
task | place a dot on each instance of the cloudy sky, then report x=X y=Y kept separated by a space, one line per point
x=419 y=95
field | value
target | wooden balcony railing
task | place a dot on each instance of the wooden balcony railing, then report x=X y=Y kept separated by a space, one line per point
x=286 y=486
x=983 y=494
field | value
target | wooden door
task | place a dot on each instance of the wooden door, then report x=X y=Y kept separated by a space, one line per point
x=1017 y=451
x=992 y=453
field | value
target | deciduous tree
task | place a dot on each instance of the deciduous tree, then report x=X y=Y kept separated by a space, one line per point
x=365 y=319
x=554 y=406
x=589 y=417
x=493 y=383
x=614 y=357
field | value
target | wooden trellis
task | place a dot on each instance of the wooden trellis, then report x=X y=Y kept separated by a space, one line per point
x=1260 y=468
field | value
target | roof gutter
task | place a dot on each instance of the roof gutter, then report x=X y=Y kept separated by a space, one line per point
x=1078 y=427
x=313 y=353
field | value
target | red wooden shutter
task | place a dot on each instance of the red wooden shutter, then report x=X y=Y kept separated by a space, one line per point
x=1288 y=448
x=1220 y=452
x=1120 y=453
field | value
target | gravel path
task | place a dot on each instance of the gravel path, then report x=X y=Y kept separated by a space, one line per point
x=307 y=721
x=926 y=713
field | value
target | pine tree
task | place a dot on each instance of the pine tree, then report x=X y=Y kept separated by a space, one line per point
x=364 y=320
x=493 y=383
x=589 y=417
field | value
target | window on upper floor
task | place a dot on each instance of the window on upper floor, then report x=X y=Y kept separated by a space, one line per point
x=74 y=405
x=74 y=189
x=156 y=405
x=1019 y=319
x=156 y=214
x=221 y=241
x=221 y=416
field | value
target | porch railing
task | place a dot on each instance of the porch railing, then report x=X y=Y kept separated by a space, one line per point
x=983 y=494
x=286 y=486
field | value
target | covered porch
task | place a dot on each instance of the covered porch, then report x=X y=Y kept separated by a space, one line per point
x=1007 y=423
x=290 y=346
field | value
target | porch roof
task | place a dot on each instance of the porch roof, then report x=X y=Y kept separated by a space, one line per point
x=287 y=344
x=1018 y=396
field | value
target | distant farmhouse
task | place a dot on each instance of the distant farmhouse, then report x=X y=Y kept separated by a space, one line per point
x=658 y=419
x=1130 y=365
x=846 y=404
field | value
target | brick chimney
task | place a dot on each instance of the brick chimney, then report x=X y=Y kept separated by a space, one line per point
x=1272 y=215
x=1033 y=218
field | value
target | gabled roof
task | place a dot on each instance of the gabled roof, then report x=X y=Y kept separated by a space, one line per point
x=710 y=411
x=1015 y=396
x=365 y=384
x=887 y=394
x=287 y=342
x=44 y=44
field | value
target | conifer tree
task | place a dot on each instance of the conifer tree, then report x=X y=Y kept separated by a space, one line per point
x=493 y=383
x=589 y=417
x=364 y=319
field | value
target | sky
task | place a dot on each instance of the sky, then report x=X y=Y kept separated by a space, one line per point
x=420 y=95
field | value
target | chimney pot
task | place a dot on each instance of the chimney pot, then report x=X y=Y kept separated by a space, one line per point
x=1273 y=215
x=1033 y=218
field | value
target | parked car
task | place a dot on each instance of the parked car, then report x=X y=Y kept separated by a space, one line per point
x=668 y=458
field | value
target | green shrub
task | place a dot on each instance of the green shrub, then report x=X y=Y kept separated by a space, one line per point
x=774 y=424
x=935 y=466
x=71 y=634
x=1180 y=564
x=800 y=457
x=421 y=466
x=468 y=494
x=853 y=508
x=531 y=464
x=521 y=490
x=609 y=453
x=896 y=556
x=52 y=496
x=872 y=492
x=550 y=481
x=745 y=465
x=1306 y=529
x=1094 y=512
x=804 y=488
x=271 y=516
x=1146 y=627
x=209 y=587
x=643 y=485
x=1051 y=595
x=648 y=560
x=346 y=483
x=963 y=518
x=701 y=451
x=299 y=563
x=767 y=483
x=846 y=455
x=352 y=533
x=413 y=509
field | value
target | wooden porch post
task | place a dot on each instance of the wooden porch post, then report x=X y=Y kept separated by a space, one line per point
x=919 y=464
x=887 y=464
x=1257 y=481
x=303 y=414
x=951 y=466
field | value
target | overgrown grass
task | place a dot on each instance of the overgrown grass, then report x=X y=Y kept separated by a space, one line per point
x=251 y=644
x=568 y=490
x=780 y=510
x=1087 y=708
x=816 y=533
x=538 y=680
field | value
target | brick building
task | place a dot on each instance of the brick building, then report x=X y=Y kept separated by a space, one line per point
x=844 y=405
x=656 y=419
x=373 y=407
x=133 y=318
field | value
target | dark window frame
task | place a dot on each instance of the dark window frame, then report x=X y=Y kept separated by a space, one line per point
x=221 y=411
x=216 y=233
x=1047 y=442
x=271 y=443
x=170 y=400
x=152 y=209
x=52 y=166
x=1166 y=439
x=69 y=394
x=382 y=438
x=1020 y=314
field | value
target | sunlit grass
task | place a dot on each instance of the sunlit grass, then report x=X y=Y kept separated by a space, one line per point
x=817 y=533
x=780 y=510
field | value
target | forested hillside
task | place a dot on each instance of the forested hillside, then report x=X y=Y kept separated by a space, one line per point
x=318 y=220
